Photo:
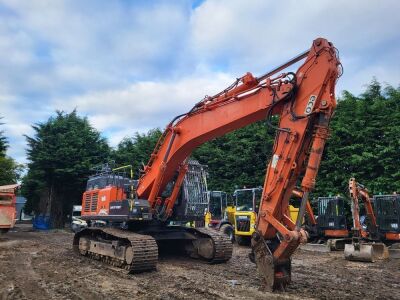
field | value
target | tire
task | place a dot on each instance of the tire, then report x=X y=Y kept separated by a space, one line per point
x=242 y=240
x=227 y=229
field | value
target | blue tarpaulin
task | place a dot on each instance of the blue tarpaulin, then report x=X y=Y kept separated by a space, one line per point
x=41 y=222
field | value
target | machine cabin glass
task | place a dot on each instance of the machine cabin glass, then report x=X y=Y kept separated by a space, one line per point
x=387 y=209
x=247 y=199
x=217 y=203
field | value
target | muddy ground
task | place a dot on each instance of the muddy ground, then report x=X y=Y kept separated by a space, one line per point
x=42 y=265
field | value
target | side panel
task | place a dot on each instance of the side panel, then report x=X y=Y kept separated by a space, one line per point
x=7 y=211
x=7 y=216
x=97 y=202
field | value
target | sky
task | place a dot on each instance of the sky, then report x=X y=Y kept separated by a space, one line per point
x=130 y=66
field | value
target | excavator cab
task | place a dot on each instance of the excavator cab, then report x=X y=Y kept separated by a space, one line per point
x=247 y=202
x=220 y=213
x=331 y=220
x=217 y=203
x=387 y=209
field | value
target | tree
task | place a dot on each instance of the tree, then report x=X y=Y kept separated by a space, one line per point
x=3 y=142
x=9 y=169
x=239 y=158
x=61 y=154
x=136 y=150
x=364 y=143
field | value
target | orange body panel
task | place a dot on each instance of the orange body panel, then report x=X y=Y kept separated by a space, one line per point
x=340 y=233
x=97 y=202
x=392 y=236
x=7 y=210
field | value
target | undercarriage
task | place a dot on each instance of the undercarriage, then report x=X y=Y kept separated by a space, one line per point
x=138 y=251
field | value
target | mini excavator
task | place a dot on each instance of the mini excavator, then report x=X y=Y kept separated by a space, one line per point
x=304 y=101
x=366 y=245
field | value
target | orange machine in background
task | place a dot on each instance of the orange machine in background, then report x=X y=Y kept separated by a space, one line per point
x=7 y=207
x=366 y=244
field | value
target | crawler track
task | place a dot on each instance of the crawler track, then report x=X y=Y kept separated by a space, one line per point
x=222 y=245
x=141 y=250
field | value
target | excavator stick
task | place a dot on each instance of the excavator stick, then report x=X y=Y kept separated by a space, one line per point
x=366 y=252
x=303 y=131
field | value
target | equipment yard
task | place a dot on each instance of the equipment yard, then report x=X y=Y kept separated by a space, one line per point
x=42 y=265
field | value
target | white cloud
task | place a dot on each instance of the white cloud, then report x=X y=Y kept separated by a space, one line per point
x=132 y=66
x=144 y=105
x=257 y=35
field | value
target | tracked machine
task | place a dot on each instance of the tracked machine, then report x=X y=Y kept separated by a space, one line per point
x=304 y=101
x=332 y=227
x=329 y=231
x=366 y=243
x=387 y=210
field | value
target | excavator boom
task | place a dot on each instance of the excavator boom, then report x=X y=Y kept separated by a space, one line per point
x=305 y=102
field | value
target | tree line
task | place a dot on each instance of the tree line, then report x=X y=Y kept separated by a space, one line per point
x=364 y=143
x=9 y=170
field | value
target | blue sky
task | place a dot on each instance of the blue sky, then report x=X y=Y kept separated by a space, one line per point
x=132 y=65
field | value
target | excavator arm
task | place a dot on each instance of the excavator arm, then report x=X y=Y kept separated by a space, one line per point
x=358 y=191
x=365 y=245
x=304 y=102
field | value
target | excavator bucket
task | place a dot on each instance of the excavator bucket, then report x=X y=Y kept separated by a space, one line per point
x=276 y=275
x=368 y=252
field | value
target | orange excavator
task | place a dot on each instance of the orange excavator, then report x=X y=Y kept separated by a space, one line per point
x=304 y=101
x=366 y=245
